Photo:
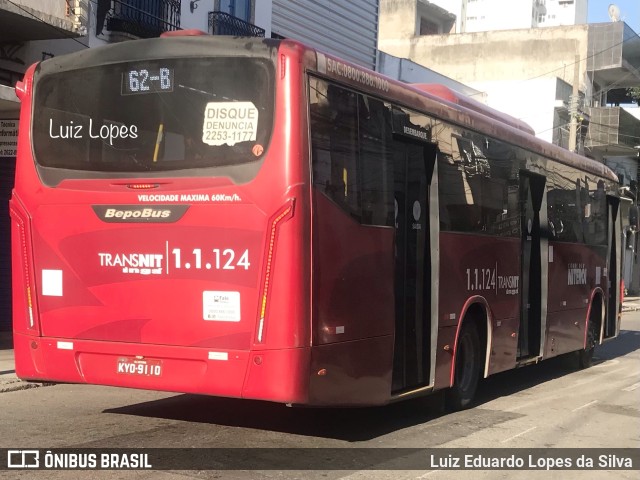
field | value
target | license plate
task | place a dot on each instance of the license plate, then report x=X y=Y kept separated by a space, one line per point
x=135 y=366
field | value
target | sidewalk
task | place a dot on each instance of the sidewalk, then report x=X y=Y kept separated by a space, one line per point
x=631 y=304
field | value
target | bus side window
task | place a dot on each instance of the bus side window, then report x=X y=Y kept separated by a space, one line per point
x=596 y=222
x=376 y=158
x=478 y=185
x=562 y=216
x=459 y=186
x=334 y=139
x=566 y=205
x=451 y=193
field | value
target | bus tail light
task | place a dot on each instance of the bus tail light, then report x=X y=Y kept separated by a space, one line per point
x=284 y=214
x=24 y=237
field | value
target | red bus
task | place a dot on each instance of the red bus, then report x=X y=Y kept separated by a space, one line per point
x=257 y=219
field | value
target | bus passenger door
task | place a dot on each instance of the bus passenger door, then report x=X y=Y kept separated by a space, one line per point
x=413 y=171
x=531 y=194
x=612 y=326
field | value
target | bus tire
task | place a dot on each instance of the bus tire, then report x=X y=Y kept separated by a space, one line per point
x=585 y=356
x=467 y=369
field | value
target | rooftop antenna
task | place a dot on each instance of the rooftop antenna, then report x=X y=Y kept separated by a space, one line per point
x=614 y=12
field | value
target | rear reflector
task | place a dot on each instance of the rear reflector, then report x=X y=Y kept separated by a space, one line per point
x=25 y=241
x=283 y=215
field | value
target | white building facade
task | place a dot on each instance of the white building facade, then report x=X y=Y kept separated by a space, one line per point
x=487 y=15
x=21 y=22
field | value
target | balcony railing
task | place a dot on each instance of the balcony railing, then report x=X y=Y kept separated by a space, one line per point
x=143 y=18
x=221 y=23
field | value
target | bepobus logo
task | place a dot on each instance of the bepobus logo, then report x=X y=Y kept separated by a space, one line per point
x=140 y=214
x=23 y=459
x=144 y=213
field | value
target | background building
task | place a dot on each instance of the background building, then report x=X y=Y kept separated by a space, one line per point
x=530 y=73
x=21 y=22
x=487 y=15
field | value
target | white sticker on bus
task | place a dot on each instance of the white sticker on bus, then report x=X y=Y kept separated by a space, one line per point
x=52 y=283
x=218 y=356
x=221 y=306
x=417 y=210
x=229 y=123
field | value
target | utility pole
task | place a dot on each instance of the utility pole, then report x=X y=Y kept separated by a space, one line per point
x=573 y=106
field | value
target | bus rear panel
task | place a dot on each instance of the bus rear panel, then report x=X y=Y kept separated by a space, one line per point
x=156 y=222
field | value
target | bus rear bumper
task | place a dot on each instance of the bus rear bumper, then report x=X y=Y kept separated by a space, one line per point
x=226 y=373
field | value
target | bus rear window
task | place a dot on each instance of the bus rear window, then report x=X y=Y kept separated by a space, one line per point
x=149 y=117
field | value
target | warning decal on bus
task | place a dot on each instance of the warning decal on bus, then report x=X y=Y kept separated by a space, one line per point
x=229 y=123
x=8 y=138
x=221 y=306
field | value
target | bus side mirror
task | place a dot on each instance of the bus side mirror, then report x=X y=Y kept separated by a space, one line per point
x=633 y=217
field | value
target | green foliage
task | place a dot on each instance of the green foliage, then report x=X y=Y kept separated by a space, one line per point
x=634 y=93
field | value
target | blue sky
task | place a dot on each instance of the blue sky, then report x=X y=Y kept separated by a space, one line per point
x=629 y=10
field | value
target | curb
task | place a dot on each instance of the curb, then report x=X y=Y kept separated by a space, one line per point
x=630 y=308
x=16 y=384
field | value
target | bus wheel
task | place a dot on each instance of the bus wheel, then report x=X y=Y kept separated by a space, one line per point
x=585 y=356
x=467 y=373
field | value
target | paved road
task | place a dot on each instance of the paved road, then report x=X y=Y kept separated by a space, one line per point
x=546 y=405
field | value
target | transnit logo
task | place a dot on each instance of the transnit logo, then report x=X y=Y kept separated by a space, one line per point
x=140 y=214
